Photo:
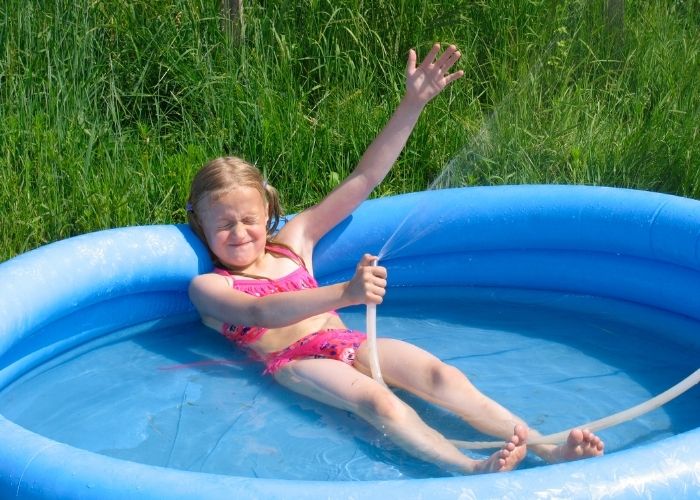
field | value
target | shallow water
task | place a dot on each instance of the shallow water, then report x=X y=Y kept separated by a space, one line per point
x=183 y=397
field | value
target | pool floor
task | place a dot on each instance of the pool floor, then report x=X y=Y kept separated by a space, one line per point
x=181 y=396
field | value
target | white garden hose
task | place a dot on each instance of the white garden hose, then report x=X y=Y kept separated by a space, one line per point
x=603 y=423
x=372 y=341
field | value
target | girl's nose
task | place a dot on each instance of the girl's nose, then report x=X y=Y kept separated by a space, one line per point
x=238 y=231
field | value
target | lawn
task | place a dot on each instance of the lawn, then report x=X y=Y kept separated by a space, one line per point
x=109 y=107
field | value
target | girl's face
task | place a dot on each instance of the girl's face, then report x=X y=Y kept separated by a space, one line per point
x=235 y=225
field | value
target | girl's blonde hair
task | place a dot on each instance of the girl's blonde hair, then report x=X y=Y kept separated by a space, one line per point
x=221 y=175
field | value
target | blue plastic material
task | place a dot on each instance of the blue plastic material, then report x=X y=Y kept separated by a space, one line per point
x=627 y=245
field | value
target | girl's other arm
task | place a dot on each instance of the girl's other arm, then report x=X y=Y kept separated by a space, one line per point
x=214 y=298
x=422 y=84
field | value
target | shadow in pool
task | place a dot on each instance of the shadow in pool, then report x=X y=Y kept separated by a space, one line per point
x=351 y=449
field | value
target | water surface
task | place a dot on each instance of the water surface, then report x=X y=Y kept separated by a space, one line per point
x=182 y=396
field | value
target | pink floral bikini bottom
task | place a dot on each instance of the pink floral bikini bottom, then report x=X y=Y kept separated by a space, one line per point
x=340 y=344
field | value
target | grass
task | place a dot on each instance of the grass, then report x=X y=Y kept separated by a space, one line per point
x=108 y=108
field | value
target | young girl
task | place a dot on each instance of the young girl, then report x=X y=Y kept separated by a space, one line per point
x=263 y=296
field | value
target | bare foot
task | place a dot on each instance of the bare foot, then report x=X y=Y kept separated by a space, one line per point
x=581 y=443
x=508 y=457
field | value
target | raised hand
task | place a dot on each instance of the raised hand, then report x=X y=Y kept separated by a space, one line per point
x=432 y=76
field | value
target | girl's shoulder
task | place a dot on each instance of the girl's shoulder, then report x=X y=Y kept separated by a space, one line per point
x=221 y=273
x=293 y=236
x=285 y=250
x=217 y=278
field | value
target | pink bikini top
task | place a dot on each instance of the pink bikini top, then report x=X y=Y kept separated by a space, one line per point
x=259 y=286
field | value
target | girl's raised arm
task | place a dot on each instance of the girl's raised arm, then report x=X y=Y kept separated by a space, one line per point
x=422 y=84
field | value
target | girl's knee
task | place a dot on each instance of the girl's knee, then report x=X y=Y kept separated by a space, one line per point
x=385 y=406
x=441 y=375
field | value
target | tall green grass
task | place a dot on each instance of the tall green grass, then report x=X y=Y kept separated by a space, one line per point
x=107 y=108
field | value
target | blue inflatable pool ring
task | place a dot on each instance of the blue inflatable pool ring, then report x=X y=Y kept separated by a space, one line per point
x=638 y=247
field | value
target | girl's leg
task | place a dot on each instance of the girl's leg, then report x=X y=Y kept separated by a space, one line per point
x=416 y=370
x=340 y=385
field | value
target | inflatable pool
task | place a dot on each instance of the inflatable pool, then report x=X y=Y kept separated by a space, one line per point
x=576 y=246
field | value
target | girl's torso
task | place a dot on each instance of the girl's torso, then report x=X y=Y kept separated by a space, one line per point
x=262 y=340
